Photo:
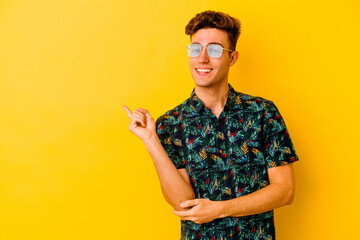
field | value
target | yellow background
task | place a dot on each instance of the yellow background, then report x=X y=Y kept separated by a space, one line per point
x=70 y=169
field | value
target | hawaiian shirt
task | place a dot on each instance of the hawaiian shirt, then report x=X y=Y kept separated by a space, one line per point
x=227 y=157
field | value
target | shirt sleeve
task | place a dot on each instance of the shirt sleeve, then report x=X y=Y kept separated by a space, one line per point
x=278 y=147
x=163 y=131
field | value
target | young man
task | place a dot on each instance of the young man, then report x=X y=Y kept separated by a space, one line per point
x=224 y=158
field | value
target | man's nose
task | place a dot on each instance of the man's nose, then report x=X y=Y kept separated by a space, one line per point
x=204 y=57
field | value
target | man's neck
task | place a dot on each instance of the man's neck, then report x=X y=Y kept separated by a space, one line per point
x=214 y=98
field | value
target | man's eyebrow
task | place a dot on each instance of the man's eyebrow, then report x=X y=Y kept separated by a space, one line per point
x=210 y=43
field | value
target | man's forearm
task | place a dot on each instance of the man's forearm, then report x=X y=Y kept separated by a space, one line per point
x=280 y=192
x=263 y=200
x=175 y=187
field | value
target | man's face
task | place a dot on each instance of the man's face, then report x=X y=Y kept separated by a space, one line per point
x=211 y=72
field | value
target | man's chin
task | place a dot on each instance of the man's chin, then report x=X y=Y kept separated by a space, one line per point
x=208 y=84
x=203 y=85
x=203 y=82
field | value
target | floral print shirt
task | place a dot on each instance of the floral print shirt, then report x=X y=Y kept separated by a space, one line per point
x=227 y=157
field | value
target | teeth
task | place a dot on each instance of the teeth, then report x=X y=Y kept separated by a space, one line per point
x=203 y=70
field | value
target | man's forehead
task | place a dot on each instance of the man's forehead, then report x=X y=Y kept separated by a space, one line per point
x=210 y=35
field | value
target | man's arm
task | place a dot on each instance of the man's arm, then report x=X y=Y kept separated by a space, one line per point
x=278 y=193
x=175 y=184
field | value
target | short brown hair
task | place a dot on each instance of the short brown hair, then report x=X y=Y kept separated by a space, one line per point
x=219 y=20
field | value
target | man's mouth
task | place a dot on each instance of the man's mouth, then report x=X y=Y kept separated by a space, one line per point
x=203 y=70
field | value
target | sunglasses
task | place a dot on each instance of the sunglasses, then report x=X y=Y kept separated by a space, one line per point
x=214 y=50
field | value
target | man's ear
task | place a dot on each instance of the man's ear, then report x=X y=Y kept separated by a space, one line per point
x=233 y=58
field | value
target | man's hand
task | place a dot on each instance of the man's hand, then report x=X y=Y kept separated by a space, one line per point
x=201 y=210
x=141 y=123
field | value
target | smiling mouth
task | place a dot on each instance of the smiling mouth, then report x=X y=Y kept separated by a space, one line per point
x=203 y=70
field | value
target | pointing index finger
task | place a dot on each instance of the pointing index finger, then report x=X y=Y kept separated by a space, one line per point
x=127 y=110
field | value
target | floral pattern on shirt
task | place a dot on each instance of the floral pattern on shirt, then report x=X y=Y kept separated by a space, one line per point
x=227 y=157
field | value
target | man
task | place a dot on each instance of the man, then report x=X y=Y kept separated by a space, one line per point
x=224 y=158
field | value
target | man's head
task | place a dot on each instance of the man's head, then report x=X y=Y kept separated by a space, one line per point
x=219 y=20
x=212 y=34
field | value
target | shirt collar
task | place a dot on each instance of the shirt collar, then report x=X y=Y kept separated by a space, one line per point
x=195 y=103
x=232 y=101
